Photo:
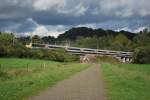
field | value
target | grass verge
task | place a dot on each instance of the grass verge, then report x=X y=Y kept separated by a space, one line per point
x=20 y=78
x=127 y=81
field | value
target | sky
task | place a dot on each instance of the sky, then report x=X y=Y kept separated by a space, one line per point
x=54 y=17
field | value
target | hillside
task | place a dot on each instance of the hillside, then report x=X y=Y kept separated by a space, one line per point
x=89 y=32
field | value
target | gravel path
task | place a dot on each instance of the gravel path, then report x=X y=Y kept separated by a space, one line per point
x=85 y=85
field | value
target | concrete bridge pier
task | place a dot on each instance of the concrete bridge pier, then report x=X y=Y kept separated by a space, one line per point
x=129 y=60
x=123 y=59
x=126 y=59
x=84 y=59
x=87 y=58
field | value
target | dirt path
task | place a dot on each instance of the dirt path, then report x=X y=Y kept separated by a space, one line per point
x=86 y=85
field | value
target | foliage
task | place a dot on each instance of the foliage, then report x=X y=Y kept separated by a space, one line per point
x=104 y=59
x=6 y=39
x=121 y=42
x=59 y=55
x=36 y=39
x=74 y=33
x=24 y=39
x=2 y=51
x=88 y=42
x=142 y=39
x=48 y=39
x=10 y=46
x=142 y=55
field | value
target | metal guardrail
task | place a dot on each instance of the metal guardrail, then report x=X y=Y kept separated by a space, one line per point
x=77 y=50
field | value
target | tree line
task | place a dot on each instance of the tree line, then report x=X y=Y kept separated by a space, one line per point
x=11 y=46
x=139 y=43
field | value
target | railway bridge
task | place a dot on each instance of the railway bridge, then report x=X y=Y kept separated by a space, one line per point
x=120 y=55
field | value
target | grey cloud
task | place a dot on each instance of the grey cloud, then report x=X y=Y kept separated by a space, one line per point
x=16 y=15
x=126 y=8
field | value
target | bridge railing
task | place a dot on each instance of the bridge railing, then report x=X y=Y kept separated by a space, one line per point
x=77 y=50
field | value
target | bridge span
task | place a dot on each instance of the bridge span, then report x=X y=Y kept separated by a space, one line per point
x=121 y=55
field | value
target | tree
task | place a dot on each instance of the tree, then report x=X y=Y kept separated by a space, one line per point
x=88 y=42
x=143 y=38
x=6 y=39
x=48 y=39
x=105 y=42
x=24 y=40
x=142 y=55
x=36 y=39
x=121 y=42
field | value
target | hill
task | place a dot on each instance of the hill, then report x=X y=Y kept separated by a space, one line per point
x=73 y=33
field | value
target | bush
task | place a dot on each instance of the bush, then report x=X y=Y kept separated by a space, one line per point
x=9 y=51
x=2 y=51
x=142 y=55
x=21 y=52
x=35 y=53
x=59 y=55
x=109 y=59
x=11 y=47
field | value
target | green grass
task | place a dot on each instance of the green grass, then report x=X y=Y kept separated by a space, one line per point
x=21 y=78
x=127 y=81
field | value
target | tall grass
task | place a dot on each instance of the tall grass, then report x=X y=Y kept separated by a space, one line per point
x=24 y=77
x=127 y=81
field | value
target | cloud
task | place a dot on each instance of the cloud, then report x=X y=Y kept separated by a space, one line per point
x=48 y=30
x=31 y=27
x=141 y=29
x=48 y=4
x=78 y=10
x=48 y=16
x=126 y=8
x=43 y=31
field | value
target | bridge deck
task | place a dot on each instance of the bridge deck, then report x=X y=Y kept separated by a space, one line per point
x=77 y=50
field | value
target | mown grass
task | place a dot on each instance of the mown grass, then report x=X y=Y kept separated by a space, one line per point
x=21 y=78
x=127 y=81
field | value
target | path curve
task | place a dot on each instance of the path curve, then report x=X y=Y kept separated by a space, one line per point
x=85 y=85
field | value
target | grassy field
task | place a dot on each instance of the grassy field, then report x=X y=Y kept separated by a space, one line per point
x=20 y=78
x=127 y=81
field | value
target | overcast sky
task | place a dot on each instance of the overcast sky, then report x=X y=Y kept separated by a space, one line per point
x=53 y=17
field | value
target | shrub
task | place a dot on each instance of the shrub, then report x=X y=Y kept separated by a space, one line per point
x=59 y=55
x=2 y=51
x=109 y=59
x=142 y=55
x=35 y=53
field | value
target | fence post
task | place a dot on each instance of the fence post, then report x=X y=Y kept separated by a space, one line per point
x=0 y=67
x=44 y=65
x=27 y=67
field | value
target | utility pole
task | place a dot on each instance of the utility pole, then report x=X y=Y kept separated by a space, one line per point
x=13 y=40
x=31 y=38
x=97 y=47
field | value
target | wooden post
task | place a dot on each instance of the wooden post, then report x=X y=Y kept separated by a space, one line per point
x=0 y=67
x=41 y=66
x=27 y=67
x=44 y=65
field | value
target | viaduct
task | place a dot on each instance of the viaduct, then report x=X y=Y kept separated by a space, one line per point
x=120 y=55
